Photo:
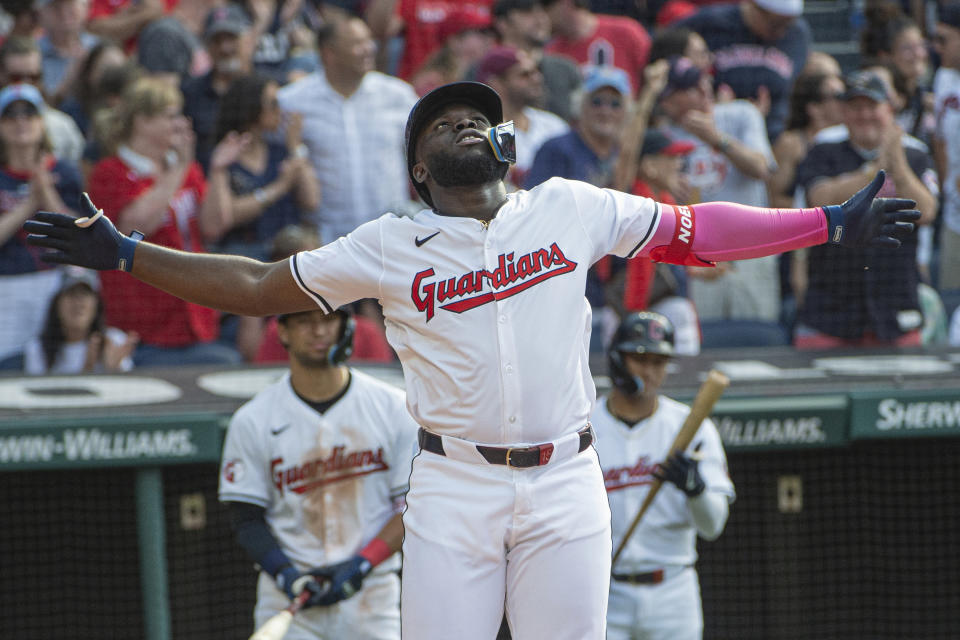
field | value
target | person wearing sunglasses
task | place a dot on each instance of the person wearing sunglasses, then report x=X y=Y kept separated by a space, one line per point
x=22 y=62
x=31 y=178
x=589 y=151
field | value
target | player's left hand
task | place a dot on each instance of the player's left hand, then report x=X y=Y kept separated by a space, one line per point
x=344 y=578
x=867 y=221
x=682 y=471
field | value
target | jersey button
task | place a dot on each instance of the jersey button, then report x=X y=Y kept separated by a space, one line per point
x=513 y=418
x=503 y=319
x=509 y=368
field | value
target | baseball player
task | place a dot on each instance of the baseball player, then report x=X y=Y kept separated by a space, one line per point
x=483 y=295
x=314 y=470
x=654 y=594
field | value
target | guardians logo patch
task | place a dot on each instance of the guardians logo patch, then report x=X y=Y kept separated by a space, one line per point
x=512 y=275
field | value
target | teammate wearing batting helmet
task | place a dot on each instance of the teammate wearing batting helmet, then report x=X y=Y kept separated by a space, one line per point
x=654 y=593
x=483 y=300
x=314 y=470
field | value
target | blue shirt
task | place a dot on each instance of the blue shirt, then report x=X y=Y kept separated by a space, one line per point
x=568 y=156
x=16 y=257
x=253 y=239
x=55 y=66
x=745 y=63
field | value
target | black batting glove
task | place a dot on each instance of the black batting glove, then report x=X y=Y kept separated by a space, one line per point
x=345 y=578
x=293 y=583
x=684 y=472
x=867 y=221
x=91 y=241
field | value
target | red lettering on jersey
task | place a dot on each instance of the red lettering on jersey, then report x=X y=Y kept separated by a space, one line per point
x=639 y=473
x=511 y=276
x=336 y=467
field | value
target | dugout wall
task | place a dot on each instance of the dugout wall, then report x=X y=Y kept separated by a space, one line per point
x=844 y=526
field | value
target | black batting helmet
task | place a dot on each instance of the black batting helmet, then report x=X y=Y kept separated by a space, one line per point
x=639 y=332
x=342 y=349
x=476 y=94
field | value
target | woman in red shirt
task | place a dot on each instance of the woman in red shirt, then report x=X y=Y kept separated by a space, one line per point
x=150 y=182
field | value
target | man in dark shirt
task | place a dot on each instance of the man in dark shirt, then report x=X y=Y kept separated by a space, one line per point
x=224 y=36
x=867 y=296
x=760 y=46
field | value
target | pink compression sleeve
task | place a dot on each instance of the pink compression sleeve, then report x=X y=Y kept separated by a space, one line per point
x=719 y=231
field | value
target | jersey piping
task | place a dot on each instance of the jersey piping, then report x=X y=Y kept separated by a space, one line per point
x=303 y=285
x=646 y=237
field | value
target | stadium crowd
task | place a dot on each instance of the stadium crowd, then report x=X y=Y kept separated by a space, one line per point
x=260 y=127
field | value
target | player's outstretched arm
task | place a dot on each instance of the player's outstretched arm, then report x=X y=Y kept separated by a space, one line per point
x=720 y=231
x=229 y=283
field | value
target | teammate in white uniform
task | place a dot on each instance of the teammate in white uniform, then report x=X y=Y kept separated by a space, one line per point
x=483 y=295
x=654 y=593
x=314 y=471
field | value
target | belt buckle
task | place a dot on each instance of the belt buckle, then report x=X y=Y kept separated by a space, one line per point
x=509 y=451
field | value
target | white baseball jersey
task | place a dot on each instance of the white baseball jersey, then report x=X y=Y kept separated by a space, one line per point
x=628 y=456
x=327 y=481
x=490 y=321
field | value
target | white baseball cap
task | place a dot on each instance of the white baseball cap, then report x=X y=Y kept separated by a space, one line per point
x=792 y=8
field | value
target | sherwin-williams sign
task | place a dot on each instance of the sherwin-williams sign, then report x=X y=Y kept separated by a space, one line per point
x=172 y=439
x=905 y=414
x=798 y=422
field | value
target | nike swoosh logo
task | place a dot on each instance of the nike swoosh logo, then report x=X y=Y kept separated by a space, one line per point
x=280 y=429
x=421 y=241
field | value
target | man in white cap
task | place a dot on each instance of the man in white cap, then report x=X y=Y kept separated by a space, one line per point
x=760 y=46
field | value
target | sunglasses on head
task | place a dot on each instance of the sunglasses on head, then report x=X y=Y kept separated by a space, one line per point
x=19 y=110
x=598 y=102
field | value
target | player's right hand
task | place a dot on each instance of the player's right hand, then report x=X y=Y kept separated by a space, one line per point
x=293 y=583
x=91 y=241
x=867 y=221
x=682 y=471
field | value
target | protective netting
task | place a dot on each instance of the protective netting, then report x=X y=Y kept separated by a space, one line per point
x=872 y=551
x=69 y=565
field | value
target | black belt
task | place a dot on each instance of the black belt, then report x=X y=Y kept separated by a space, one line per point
x=651 y=577
x=520 y=457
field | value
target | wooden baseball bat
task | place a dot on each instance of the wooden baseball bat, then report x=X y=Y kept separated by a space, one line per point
x=276 y=627
x=711 y=390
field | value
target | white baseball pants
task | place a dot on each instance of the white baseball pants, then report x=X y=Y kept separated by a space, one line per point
x=670 y=610
x=479 y=537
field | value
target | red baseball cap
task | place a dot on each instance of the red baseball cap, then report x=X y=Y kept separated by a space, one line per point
x=464 y=19
x=660 y=142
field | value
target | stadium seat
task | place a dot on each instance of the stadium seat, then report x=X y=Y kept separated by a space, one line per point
x=951 y=301
x=722 y=334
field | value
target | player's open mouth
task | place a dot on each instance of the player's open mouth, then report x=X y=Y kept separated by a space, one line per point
x=468 y=137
